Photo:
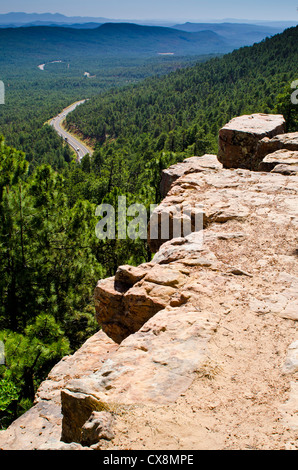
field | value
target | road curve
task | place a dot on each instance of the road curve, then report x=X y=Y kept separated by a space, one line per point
x=56 y=122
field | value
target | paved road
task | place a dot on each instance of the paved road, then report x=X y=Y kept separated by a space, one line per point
x=56 y=122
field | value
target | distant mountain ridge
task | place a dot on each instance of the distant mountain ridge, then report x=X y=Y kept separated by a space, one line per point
x=109 y=39
x=14 y=19
x=23 y=18
x=102 y=36
x=239 y=34
x=47 y=43
x=224 y=28
x=49 y=23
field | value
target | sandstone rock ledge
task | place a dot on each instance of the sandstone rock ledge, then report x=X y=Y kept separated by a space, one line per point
x=198 y=348
x=239 y=139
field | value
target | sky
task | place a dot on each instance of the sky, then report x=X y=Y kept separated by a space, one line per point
x=160 y=9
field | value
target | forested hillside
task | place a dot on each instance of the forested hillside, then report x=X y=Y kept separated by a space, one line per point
x=50 y=256
x=107 y=40
x=240 y=33
x=33 y=96
x=140 y=129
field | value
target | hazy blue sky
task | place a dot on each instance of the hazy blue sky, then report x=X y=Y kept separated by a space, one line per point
x=160 y=9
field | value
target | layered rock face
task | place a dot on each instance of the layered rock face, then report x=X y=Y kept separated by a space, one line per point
x=189 y=165
x=239 y=139
x=123 y=306
x=202 y=338
x=279 y=142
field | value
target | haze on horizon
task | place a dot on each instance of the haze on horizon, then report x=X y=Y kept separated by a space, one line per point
x=171 y=10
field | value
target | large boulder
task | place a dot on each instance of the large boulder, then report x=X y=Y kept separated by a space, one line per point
x=239 y=139
x=40 y=427
x=122 y=307
x=279 y=142
x=286 y=158
x=192 y=204
x=99 y=426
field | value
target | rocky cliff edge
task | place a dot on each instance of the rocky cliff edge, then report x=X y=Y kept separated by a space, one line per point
x=198 y=349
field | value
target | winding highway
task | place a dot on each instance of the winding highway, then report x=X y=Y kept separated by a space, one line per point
x=76 y=144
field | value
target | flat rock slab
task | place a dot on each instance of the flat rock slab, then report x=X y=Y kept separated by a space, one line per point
x=123 y=307
x=189 y=165
x=222 y=197
x=155 y=365
x=280 y=157
x=283 y=141
x=239 y=139
x=83 y=362
x=41 y=426
x=286 y=169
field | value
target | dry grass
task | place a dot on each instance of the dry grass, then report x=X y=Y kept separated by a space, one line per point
x=209 y=370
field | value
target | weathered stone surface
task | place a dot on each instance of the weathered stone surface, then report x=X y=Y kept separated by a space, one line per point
x=83 y=362
x=41 y=427
x=156 y=365
x=123 y=310
x=189 y=165
x=291 y=363
x=108 y=299
x=41 y=424
x=128 y=300
x=74 y=417
x=284 y=302
x=280 y=157
x=166 y=276
x=286 y=170
x=225 y=295
x=203 y=207
x=279 y=142
x=130 y=275
x=239 y=139
x=99 y=426
x=143 y=301
x=59 y=445
x=221 y=197
x=173 y=221
x=290 y=408
x=192 y=251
